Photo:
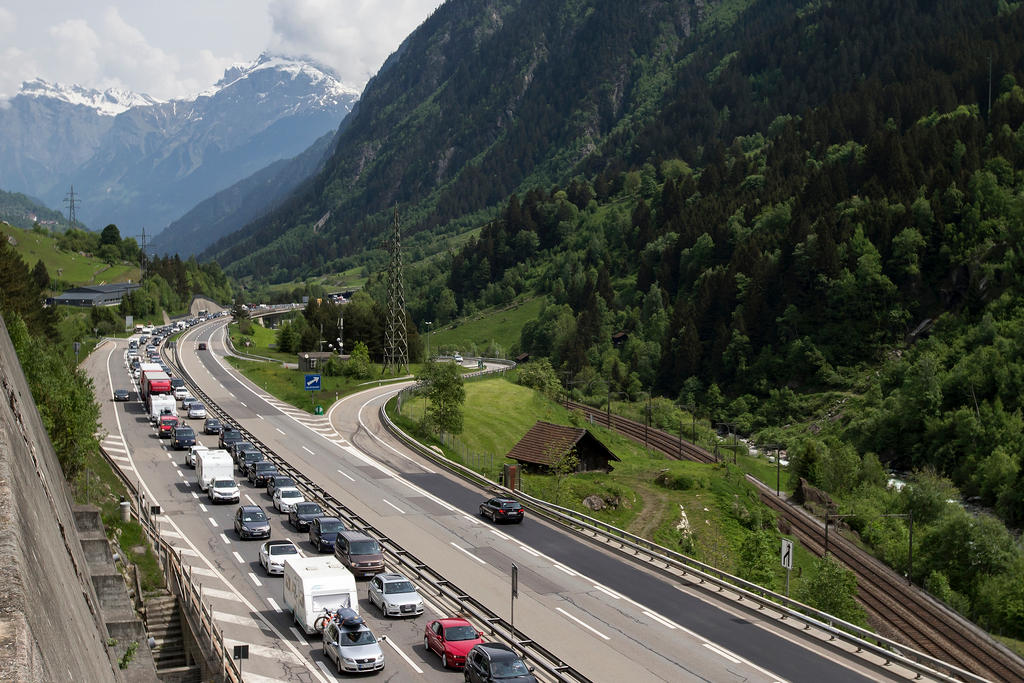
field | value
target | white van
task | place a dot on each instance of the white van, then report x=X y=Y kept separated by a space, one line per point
x=213 y=464
x=315 y=584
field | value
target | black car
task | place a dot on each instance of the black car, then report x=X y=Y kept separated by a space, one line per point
x=302 y=514
x=212 y=426
x=247 y=458
x=489 y=662
x=176 y=382
x=236 y=448
x=259 y=472
x=323 y=531
x=229 y=436
x=502 y=510
x=251 y=522
x=122 y=394
x=183 y=437
x=277 y=482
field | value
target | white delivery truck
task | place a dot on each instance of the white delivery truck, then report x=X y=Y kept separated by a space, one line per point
x=161 y=404
x=213 y=464
x=314 y=584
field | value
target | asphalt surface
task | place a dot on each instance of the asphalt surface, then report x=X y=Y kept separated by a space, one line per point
x=603 y=615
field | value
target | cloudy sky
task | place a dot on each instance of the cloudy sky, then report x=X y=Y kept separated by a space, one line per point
x=175 y=49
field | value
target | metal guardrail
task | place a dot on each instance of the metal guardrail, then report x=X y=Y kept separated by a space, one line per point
x=920 y=663
x=439 y=587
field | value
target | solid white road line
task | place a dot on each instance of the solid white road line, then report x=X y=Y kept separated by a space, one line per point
x=404 y=656
x=457 y=547
x=249 y=498
x=661 y=620
x=721 y=653
x=586 y=626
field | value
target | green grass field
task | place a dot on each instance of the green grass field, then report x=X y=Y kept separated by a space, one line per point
x=492 y=329
x=715 y=498
x=65 y=265
x=263 y=343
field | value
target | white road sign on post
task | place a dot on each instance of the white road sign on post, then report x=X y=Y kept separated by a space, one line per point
x=787 y=560
x=787 y=553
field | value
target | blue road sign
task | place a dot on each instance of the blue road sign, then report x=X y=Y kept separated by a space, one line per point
x=312 y=382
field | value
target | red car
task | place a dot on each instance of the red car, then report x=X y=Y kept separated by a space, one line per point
x=451 y=639
x=167 y=425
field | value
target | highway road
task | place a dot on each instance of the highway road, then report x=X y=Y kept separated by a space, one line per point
x=607 y=617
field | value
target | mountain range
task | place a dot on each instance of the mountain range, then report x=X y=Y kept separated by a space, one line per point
x=139 y=162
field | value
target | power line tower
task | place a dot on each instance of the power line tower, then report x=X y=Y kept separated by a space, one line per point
x=71 y=202
x=142 y=263
x=396 y=344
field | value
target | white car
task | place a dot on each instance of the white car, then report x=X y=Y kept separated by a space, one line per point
x=181 y=393
x=192 y=452
x=223 y=491
x=197 y=410
x=286 y=497
x=273 y=554
x=458 y=358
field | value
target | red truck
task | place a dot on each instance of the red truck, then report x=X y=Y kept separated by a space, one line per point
x=154 y=382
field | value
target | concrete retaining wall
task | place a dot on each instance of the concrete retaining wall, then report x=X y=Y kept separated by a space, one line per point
x=50 y=623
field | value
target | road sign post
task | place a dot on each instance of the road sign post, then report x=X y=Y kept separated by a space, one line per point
x=512 y=611
x=787 y=560
x=240 y=652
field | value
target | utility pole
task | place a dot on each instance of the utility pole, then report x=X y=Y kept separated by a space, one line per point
x=142 y=264
x=72 y=203
x=396 y=344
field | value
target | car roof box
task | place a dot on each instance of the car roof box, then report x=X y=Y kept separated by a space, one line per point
x=348 y=618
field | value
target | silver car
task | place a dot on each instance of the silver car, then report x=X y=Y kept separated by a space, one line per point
x=196 y=410
x=395 y=595
x=352 y=648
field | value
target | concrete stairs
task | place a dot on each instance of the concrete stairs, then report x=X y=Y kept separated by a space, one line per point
x=123 y=625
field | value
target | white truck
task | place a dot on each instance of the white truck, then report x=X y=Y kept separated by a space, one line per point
x=314 y=584
x=161 y=404
x=213 y=464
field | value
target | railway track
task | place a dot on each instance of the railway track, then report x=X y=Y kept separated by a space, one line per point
x=914 y=617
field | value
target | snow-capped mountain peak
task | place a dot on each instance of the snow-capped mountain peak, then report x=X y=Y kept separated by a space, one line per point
x=110 y=102
x=321 y=76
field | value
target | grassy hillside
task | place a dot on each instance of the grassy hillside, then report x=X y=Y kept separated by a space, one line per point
x=68 y=267
x=491 y=333
x=721 y=509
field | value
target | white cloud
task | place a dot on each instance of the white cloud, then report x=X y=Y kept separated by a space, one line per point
x=8 y=22
x=352 y=36
x=177 y=52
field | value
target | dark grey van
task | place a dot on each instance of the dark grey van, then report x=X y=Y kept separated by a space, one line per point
x=360 y=553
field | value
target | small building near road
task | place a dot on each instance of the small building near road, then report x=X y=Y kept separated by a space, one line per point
x=94 y=295
x=311 y=361
x=545 y=444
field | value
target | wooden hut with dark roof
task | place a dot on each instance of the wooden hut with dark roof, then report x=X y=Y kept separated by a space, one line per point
x=545 y=444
